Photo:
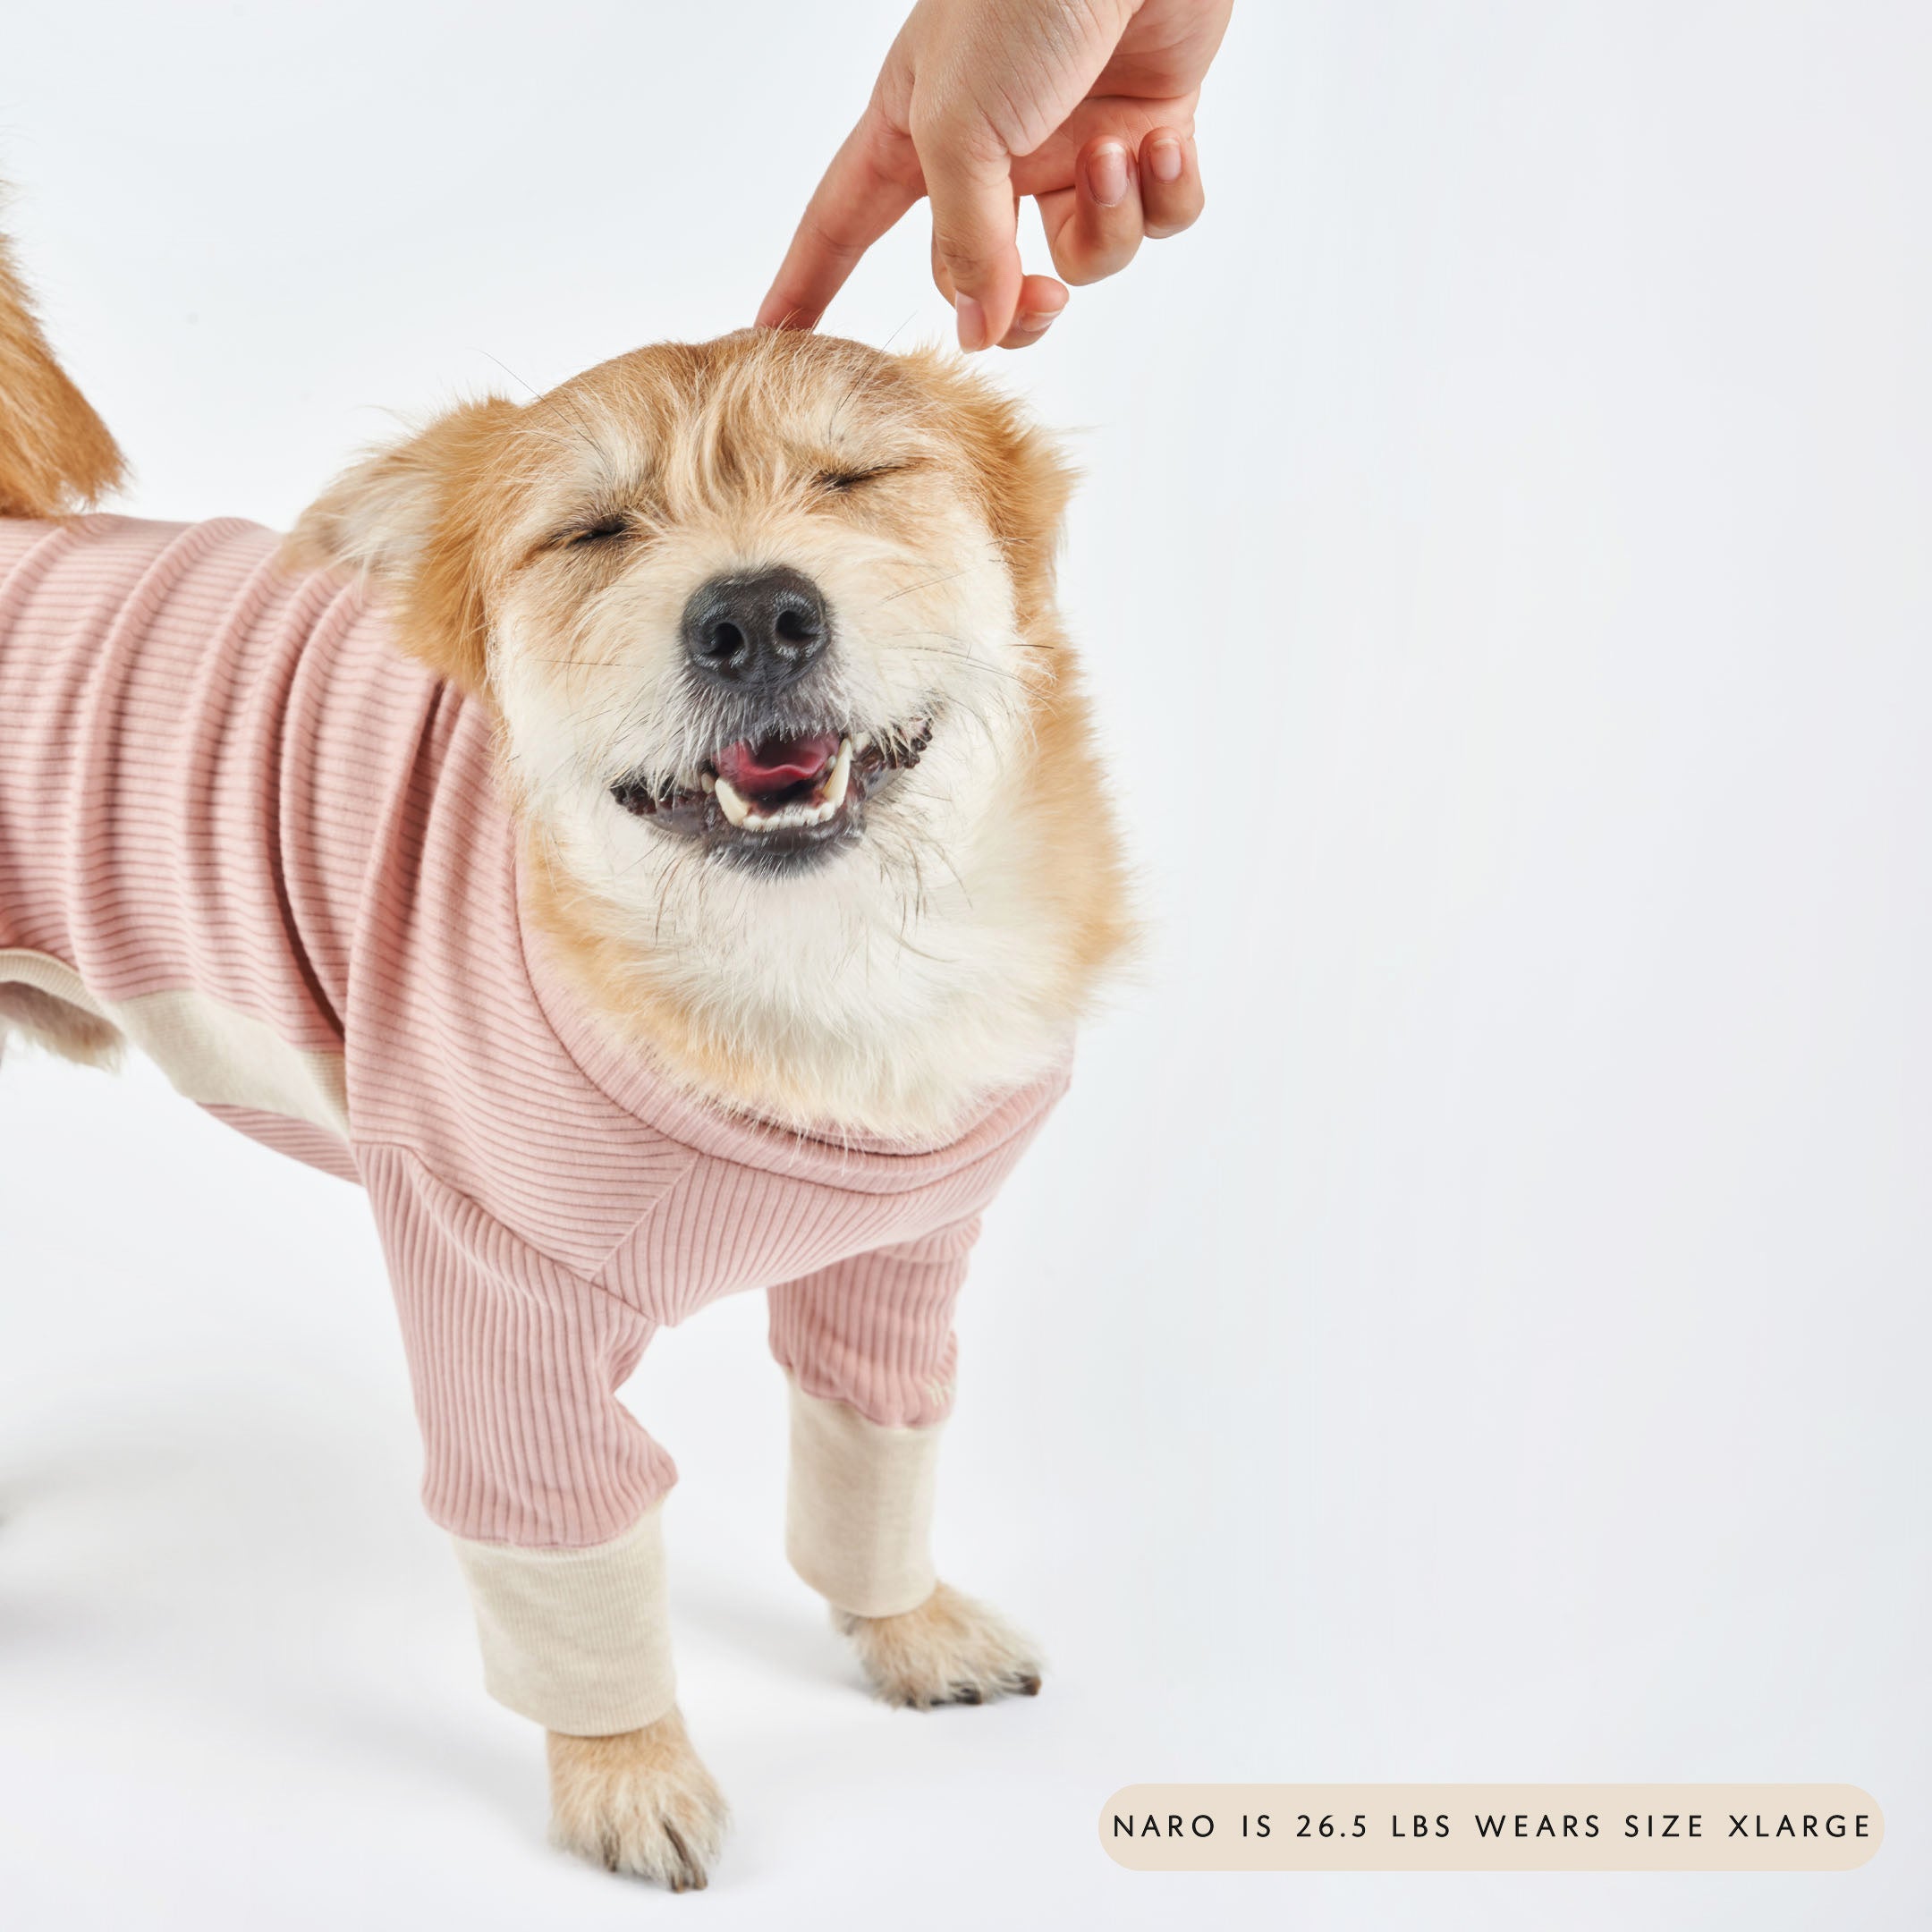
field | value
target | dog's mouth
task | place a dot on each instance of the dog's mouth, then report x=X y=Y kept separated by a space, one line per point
x=778 y=799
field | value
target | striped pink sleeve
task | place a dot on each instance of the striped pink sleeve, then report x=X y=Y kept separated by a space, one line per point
x=548 y=1485
x=875 y=1332
x=868 y=1347
x=515 y=1362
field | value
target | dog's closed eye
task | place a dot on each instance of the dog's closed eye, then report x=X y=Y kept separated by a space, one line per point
x=603 y=530
x=839 y=482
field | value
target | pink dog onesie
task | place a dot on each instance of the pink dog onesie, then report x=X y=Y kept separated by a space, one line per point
x=239 y=825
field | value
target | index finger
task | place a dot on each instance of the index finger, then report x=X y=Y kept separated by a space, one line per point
x=861 y=196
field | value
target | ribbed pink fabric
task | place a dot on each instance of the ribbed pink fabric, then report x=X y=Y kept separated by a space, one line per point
x=218 y=776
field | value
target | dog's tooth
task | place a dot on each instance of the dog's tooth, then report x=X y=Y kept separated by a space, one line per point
x=834 y=794
x=730 y=803
x=747 y=817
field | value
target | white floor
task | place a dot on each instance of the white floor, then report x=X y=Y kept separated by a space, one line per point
x=1469 y=1320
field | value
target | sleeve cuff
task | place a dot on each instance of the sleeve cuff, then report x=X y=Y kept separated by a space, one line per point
x=859 y=1507
x=577 y=1640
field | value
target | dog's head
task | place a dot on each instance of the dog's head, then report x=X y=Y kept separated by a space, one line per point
x=728 y=596
x=768 y=625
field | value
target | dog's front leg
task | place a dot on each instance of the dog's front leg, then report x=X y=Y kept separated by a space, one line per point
x=641 y=1801
x=580 y=1639
x=554 y=1496
x=873 y=1338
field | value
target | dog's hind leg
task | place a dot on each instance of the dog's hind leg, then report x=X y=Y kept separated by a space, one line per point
x=58 y=1025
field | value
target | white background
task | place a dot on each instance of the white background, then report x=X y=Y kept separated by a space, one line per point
x=1469 y=1320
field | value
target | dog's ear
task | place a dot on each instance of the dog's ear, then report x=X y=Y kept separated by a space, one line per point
x=412 y=517
x=1023 y=480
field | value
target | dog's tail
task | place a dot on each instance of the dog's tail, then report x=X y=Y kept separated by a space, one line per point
x=56 y=453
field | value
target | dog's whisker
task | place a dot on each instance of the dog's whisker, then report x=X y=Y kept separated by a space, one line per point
x=928 y=584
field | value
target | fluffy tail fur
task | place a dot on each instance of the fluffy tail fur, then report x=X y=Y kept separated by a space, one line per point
x=56 y=457
x=56 y=453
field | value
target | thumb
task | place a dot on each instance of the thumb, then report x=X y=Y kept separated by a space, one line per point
x=975 y=241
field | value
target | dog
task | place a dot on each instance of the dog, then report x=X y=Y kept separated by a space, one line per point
x=649 y=838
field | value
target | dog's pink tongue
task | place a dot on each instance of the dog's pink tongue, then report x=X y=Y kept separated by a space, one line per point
x=775 y=763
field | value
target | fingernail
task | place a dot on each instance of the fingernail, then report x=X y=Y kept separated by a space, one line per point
x=1164 y=160
x=1106 y=174
x=970 y=320
x=1034 y=322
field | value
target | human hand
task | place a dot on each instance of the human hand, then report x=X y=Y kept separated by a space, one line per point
x=1086 y=105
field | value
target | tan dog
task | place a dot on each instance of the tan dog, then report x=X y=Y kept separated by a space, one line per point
x=799 y=766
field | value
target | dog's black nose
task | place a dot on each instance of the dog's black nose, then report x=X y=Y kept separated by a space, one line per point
x=763 y=630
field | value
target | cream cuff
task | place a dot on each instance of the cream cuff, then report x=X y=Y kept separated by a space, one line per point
x=859 y=1507
x=578 y=1640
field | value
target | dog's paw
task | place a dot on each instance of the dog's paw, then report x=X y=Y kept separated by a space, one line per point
x=641 y=1802
x=950 y=1650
